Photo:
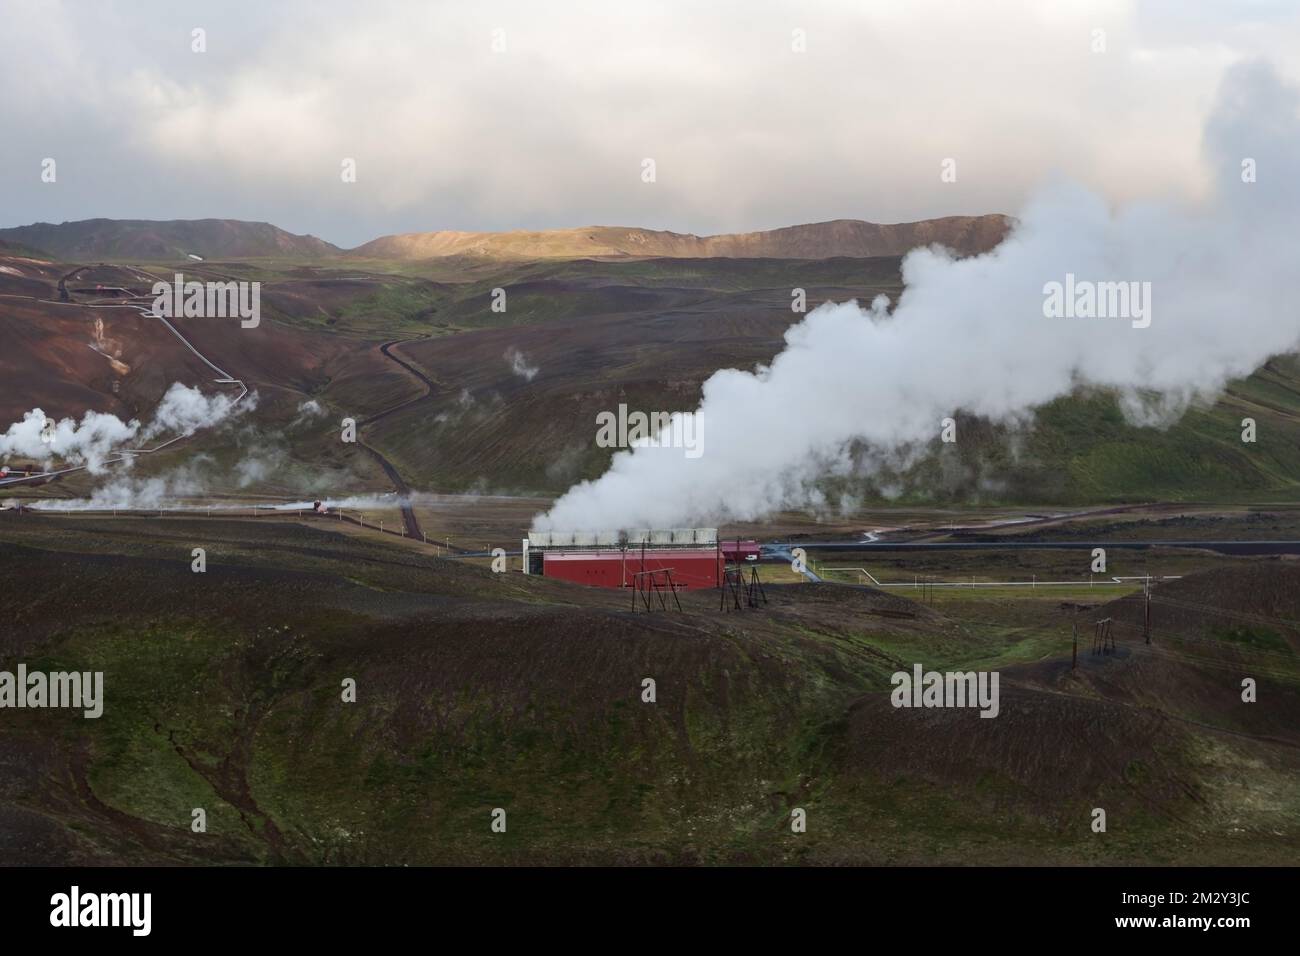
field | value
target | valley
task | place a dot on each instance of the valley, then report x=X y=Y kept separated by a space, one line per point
x=478 y=690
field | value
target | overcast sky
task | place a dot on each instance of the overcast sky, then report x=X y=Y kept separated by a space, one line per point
x=746 y=132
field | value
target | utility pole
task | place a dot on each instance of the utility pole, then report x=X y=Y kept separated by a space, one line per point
x=1103 y=641
x=1074 y=626
x=1146 y=611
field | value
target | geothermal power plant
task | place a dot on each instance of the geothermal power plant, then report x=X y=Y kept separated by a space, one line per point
x=682 y=558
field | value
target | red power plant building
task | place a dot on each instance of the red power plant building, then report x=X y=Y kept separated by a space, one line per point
x=694 y=556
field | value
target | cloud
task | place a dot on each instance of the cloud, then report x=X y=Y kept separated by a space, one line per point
x=746 y=132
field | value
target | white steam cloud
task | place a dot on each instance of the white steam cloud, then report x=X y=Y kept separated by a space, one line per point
x=88 y=442
x=520 y=365
x=185 y=410
x=96 y=440
x=971 y=334
x=186 y=489
x=130 y=493
x=308 y=409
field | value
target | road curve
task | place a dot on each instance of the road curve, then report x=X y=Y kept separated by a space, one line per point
x=409 y=520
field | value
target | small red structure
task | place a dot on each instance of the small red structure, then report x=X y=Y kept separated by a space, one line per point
x=736 y=552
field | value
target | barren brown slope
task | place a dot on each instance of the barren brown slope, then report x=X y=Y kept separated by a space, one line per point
x=10 y=249
x=70 y=357
x=145 y=240
x=840 y=237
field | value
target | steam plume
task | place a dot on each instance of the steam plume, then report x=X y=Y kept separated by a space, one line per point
x=88 y=442
x=94 y=440
x=971 y=334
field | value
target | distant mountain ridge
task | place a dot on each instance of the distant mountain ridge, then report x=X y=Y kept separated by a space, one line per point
x=839 y=237
x=149 y=240
x=144 y=239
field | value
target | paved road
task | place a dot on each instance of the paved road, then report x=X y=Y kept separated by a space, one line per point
x=414 y=372
x=403 y=490
x=1221 y=546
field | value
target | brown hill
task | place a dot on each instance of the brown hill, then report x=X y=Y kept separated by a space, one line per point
x=20 y=251
x=143 y=239
x=840 y=237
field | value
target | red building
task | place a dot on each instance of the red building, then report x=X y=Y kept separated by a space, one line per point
x=690 y=567
x=694 y=557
